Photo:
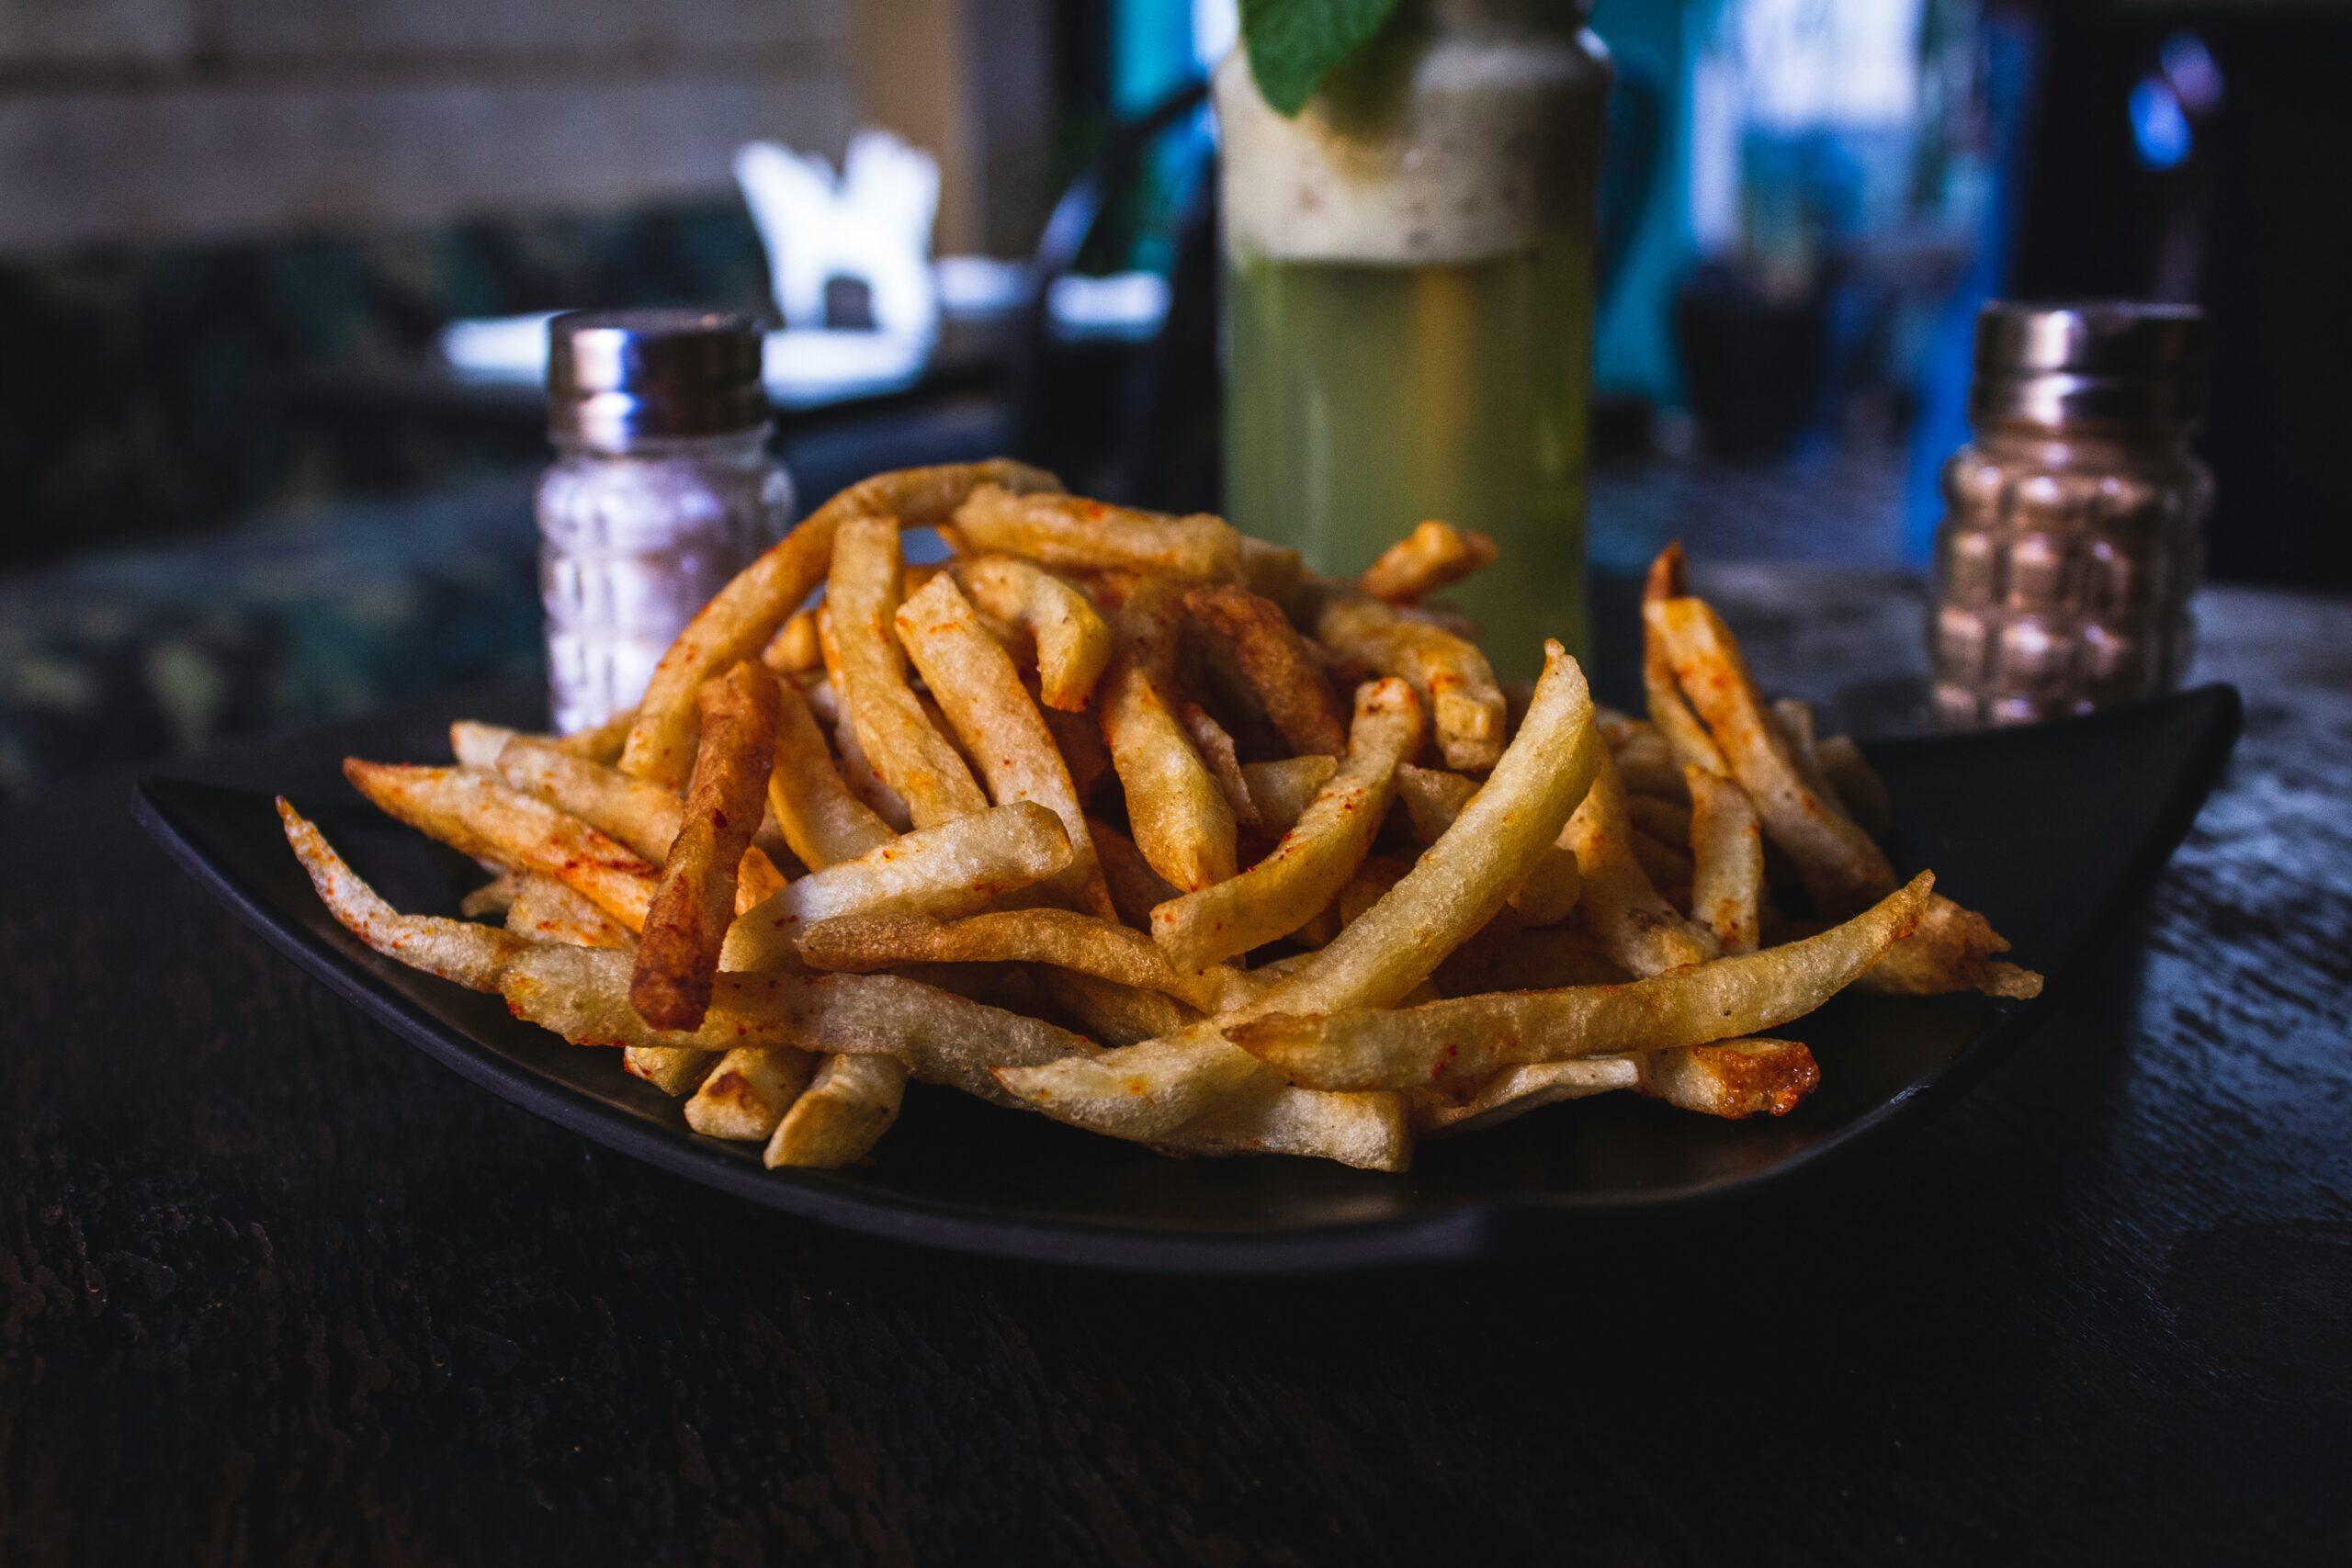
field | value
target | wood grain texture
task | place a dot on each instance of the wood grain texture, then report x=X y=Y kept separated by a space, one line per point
x=274 y=1286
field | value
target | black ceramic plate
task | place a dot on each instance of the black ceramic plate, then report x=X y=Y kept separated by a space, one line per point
x=2053 y=831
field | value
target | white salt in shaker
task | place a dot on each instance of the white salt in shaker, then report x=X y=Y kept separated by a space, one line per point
x=662 y=490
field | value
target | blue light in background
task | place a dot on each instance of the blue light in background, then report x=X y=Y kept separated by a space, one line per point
x=2159 y=127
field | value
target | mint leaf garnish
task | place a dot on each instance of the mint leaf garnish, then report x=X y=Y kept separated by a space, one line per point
x=1294 y=44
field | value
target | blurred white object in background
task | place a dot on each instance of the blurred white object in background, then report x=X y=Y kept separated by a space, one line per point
x=873 y=225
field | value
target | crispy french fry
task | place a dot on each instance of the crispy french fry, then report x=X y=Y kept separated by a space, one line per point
x=1842 y=868
x=474 y=956
x=1952 y=951
x=1067 y=531
x=857 y=768
x=686 y=926
x=1000 y=726
x=476 y=745
x=1727 y=854
x=1468 y=1106
x=1732 y=1079
x=862 y=598
x=1150 y=1090
x=1181 y=821
x=794 y=650
x=643 y=815
x=1452 y=679
x=823 y=821
x=862 y=944
x=545 y=910
x=1273 y=660
x=747 y=1093
x=953 y=869
x=1433 y=556
x=740 y=618
x=582 y=995
x=484 y=819
x=1620 y=905
x=1433 y=798
x=1315 y=860
x=1368 y=1048
x=1072 y=640
x=1281 y=792
x=1680 y=728
x=842 y=1114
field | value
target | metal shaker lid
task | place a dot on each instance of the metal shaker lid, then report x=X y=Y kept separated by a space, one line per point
x=2094 y=362
x=618 y=375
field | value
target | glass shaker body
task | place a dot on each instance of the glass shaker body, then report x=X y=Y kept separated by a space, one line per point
x=2064 y=570
x=634 y=538
x=1408 y=299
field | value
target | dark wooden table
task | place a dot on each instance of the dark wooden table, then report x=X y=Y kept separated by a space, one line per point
x=275 y=1288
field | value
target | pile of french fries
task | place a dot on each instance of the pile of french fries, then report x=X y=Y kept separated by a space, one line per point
x=1128 y=820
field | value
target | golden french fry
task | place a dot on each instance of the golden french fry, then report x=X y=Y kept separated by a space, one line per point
x=474 y=956
x=1842 y=868
x=545 y=910
x=1434 y=556
x=861 y=600
x=1280 y=792
x=822 y=820
x=1728 y=855
x=1952 y=951
x=1073 y=641
x=1452 y=679
x=857 y=768
x=1068 y=531
x=1732 y=1079
x=1315 y=860
x=861 y=944
x=740 y=618
x=1433 y=798
x=484 y=819
x=747 y=1093
x=1620 y=905
x=1687 y=738
x=1472 y=1105
x=476 y=745
x=582 y=995
x=643 y=815
x=1273 y=660
x=953 y=869
x=686 y=926
x=1002 y=728
x=1368 y=1048
x=794 y=650
x=842 y=1114
x=1150 y=1090
x=1181 y=821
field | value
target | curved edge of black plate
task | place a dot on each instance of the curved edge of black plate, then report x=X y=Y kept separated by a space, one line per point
x=1475 y=1229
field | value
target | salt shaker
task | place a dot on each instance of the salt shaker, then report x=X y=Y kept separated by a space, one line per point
x=662 y=490
x=2073 y=537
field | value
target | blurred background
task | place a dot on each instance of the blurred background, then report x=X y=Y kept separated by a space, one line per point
x=269 y=272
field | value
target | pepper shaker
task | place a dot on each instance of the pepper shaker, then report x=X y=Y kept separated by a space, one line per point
x=2072 y=538
x=661 y=490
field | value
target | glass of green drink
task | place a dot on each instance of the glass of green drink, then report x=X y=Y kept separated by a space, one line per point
x=1408 y=303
